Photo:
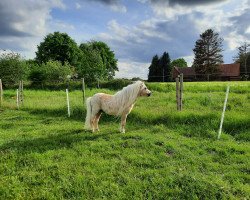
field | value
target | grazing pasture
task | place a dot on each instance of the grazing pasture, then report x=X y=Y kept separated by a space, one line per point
x=164 y=154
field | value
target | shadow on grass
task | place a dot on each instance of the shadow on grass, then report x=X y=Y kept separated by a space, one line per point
x=193 y=124
x=53 y=142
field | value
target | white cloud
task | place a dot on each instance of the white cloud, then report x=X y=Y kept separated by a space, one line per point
x=131 y=69
x=234 y=40
x=248 y=30
x=78 y=6
x=118 y=8
x=27 y=23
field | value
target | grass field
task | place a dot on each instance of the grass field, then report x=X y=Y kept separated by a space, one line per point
x=164 y=154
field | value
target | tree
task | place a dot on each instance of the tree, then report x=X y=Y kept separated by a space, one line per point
x=243 y=57
x=153 y=69
x=180 y=62
x=108 y=58
x=160 y=69
x=92 y=67
x=207 y=53
x=58 y=46
x=165 y=67
x=98 y=61
x=49 y=71
x=12 y=68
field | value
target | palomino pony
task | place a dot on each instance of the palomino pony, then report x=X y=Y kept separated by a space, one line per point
x=119 y=104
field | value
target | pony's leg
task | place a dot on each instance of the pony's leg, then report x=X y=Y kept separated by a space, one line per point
x=123 y=123
x=92 y=123
x=93 y=120
x=97 y=117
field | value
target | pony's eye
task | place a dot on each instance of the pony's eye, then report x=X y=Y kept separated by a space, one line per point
x=145 y=88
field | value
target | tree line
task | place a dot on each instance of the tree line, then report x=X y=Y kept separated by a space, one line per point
x=207 y=57
x=58 y=57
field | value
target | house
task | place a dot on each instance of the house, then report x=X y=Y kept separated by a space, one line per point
x=226 y=72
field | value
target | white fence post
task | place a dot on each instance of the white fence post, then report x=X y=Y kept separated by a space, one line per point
x=223 y=112
x=67 y=94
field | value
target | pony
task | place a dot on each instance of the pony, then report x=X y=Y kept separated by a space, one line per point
x=119 y=104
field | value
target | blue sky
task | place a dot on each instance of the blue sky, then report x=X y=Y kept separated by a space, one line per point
x=135 y=30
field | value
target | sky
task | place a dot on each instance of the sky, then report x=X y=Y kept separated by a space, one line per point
x=135 y=30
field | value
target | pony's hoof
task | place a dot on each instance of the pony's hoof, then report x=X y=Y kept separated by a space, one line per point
x=122 y=130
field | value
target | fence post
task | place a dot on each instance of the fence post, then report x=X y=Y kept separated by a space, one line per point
x=177 y=92
x=1 y=93
x=17 y=99
x=67 y=94
x=21 y=92
x=83 y=90
x=181 y=90
x=223 y=112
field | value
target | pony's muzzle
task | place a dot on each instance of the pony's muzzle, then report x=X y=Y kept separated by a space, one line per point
x=149 y=94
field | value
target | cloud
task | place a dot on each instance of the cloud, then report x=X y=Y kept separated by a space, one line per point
x=131 y=69
x=142 y=41
x=114 y=5
x=78 y=6
x=184 y=2
x=24 y=23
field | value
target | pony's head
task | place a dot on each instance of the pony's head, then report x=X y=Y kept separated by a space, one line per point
x=144 y=91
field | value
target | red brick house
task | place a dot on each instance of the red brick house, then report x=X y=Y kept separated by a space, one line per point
x=226 y=72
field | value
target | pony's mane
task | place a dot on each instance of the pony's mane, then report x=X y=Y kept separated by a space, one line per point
x=127 y=96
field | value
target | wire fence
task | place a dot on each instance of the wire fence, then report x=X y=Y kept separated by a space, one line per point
x=201 y=77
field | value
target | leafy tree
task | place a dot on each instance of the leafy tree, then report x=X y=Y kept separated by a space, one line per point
x=243 y=57
x=165 y=67
x=108 y=58
x=92 y=67
x=207 y=53
x=50 y=71
x=180 y=62
x=12 y=68
x=58 y=46
x=153 y=69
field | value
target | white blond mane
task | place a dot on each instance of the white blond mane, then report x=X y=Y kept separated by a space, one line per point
x=127 y=96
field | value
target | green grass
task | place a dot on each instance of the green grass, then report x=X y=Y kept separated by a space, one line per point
x=164 y=154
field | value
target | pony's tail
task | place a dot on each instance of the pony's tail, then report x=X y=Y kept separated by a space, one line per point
x=89 y=113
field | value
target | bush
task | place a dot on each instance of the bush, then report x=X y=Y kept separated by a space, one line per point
x=115 y=84
x=52 y=71
x=12 y=68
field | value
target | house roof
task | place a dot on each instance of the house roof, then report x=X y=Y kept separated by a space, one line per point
x=185 y=70
x=225 y=70
x=230 y=69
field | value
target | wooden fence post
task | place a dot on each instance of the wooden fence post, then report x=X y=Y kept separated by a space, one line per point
x=67 y=94
x=1 y=93
x=21 y=99
x=177 y=92
x=181 y=90
x=223 y=112
x=83 y=90
x=17 y=99
x=20 y=93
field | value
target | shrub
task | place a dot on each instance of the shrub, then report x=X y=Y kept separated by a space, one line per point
x=115 y=84
x=12 y=68
x=50 y=72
